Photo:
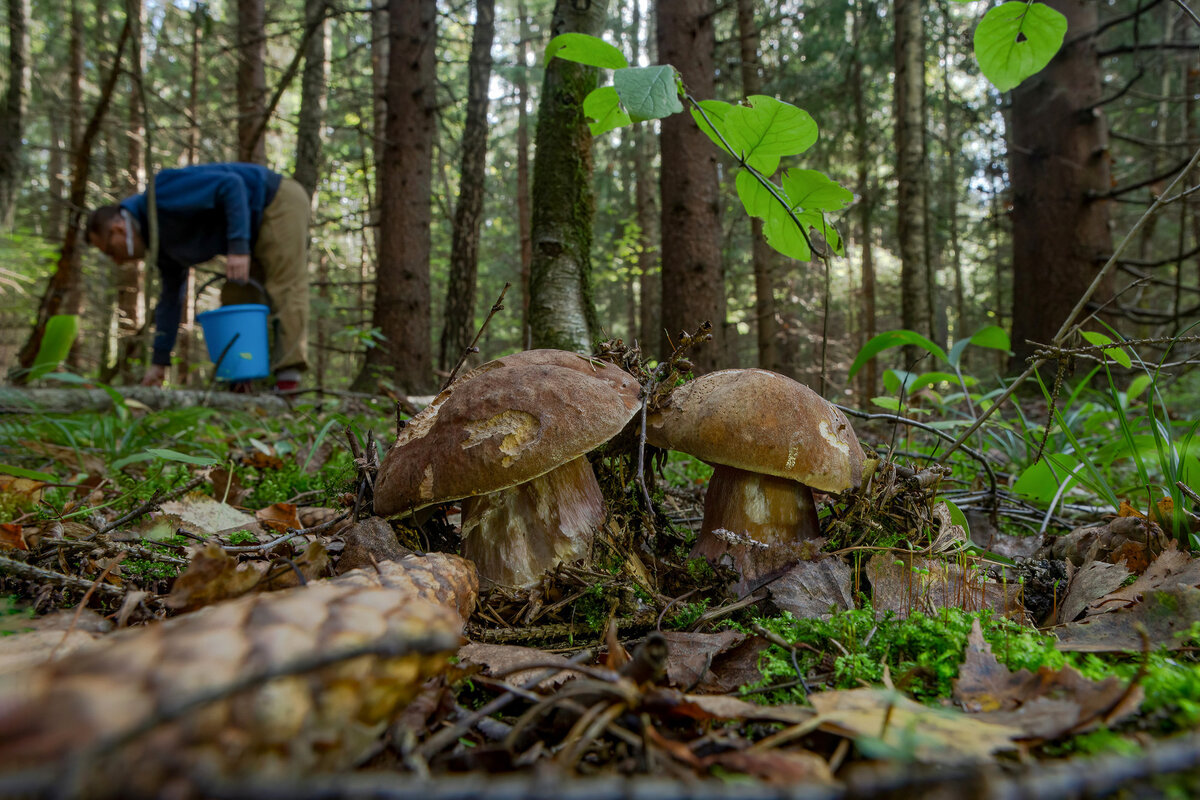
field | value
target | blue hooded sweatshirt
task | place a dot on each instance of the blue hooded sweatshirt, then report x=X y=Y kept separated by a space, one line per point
x=203 y=212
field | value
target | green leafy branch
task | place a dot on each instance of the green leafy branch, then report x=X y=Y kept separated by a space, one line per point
x=757 y=134
x=1017 y=39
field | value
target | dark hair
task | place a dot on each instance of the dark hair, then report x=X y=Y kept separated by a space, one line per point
x=101 y=219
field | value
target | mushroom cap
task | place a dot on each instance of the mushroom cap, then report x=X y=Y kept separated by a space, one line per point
x=504 y=423
x=760 y=421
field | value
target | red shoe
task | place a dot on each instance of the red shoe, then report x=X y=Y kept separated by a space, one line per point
x=286 y=386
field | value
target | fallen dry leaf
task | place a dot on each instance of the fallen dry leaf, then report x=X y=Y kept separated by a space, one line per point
x=814 y=589
x=405 y=619
x=311 y=565
x=212 y=576
x=368 y=542
x=1164 y=614
x=908 y=583
x=226 y=486
x=1048 y=705
x=1134 y=540
x=12 y=537
x=779 y=767
x=1173 y=568
x=23 y=489
x=1086 y=584
x=279 y=517
x=501 y=659
x=927 y=735
x=202 y=514
x=723 y=707
x=71 y=457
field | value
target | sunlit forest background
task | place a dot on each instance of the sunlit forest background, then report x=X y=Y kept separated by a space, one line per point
x=1014 y=203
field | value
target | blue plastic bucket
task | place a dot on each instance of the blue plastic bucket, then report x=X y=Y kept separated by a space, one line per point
x=247 y=357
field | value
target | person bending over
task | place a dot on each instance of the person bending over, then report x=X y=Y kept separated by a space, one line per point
x=254 y=217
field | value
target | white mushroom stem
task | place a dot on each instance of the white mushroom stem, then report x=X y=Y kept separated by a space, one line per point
x=751 y=518
x=515 y=535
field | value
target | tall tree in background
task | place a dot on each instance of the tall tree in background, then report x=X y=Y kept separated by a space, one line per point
x=312 y=99
x=912 y=171
x=459 y=326
x=761 y=253
x=866 y=196
x=251 y=79
x=402 y=300
x=524 y=213
x=1058 y=162
x=644 y=208
x=693 y=288
x=12 y=107
x=561 y=313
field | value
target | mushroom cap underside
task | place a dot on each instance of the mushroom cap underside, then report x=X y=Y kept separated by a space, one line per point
x=504 y=423
x=760 y=421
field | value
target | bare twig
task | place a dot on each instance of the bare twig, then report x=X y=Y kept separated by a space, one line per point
x=497 y=307
x=152 y=504
x=290 y=533
x=30 y=572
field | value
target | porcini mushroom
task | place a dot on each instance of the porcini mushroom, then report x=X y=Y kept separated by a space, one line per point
x=509 y=439
x=771 y=441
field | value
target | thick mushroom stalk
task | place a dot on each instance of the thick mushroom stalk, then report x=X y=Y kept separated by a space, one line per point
x=517 y=534
x=750 y=519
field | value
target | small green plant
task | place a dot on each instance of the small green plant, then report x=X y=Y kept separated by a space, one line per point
x=686 y=614
x=242 y=537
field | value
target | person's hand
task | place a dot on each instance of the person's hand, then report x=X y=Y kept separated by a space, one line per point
x=237 y=267
x=155 y=374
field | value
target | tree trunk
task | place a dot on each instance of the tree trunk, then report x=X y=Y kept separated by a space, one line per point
x=866 y=202
x=193 y=139
x=693 y=288
x=524 y=224
x=644 y=208
x=459 y=326
x=12 y=108
x=312 y=99
x=1058 y=155
x=911 y=168
x=62 y=290
x=402 y=302
x=761 y=252
x=561 y=313
x=379 y=73
x=251 y=80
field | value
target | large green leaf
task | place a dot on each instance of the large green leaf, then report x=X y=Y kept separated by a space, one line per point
x=648 y=92
x=813 y=190
x=584 y=49
x=1115 y=353
x=60 y=333
x=992 y=336
x=756 y=198
x=183 y=458
x=784 y=235
x=1016 y=40
x=604 y=106
x=766 y=129
x=1041 y=481
x=716 y=111
x=890 y=339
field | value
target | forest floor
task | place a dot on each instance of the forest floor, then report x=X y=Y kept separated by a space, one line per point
x=200 y=603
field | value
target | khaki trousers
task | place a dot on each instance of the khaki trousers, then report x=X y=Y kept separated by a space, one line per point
x=280 y=264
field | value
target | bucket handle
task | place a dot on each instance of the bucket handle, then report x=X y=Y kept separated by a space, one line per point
x=262 y=289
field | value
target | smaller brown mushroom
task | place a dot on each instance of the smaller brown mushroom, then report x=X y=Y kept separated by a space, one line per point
x=771 y=441
x=509 y=439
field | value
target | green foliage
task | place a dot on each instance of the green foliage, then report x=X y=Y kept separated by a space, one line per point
x=1016 y=40
x=60 y=333
x=686 y=614
x=922 y=653
x=242 y=537
x=758 y=134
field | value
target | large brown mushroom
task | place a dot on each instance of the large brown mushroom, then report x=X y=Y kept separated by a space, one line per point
x=509 y=437
x=771 y=441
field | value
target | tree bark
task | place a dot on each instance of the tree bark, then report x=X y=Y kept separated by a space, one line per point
x=761 y=253
x=1058 y=156
x=251 y=79
x=312 y=99
x=693 y=288
x=402 y=300
x=12 y=108
x=459 y=327
x=62 y=290
x=644 y=208
x=524 y=223
x=866 y=203
x=911 y=167
x=561 y=311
